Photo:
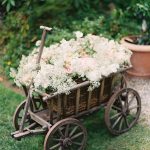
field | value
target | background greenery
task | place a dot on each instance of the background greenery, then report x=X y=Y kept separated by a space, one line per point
x=21 y=20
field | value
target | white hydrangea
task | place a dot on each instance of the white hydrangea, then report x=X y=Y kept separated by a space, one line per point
x=90 y=57
x=49 y=75
x=26 y=71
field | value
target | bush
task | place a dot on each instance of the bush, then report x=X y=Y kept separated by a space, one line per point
x=20 y=29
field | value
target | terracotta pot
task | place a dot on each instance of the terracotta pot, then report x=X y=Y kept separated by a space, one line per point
x=140 y=58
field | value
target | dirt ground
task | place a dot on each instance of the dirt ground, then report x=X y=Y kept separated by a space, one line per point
x=4 y=80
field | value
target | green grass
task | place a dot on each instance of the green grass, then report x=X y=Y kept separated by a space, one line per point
x=98 y=136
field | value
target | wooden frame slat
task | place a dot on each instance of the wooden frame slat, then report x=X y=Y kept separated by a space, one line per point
x=77 y=101
x=59 y=105
x=64 y=105
x=89 y=99
x=101 y=96
x=50 y=107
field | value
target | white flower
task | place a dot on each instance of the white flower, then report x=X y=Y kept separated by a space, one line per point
x=89 y=57
x=49 y=75
x=94 y=75
x=13 y=73
x=38 y=43
x=78 y=34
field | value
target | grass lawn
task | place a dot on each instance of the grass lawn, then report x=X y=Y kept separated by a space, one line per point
x=98 y=136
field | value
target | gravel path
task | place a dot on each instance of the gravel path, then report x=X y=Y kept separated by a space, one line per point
x=143 y=87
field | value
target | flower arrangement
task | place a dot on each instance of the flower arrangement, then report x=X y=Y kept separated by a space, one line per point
x=87 y=57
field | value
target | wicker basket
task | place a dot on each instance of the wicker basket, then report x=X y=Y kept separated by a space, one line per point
x=81 y=99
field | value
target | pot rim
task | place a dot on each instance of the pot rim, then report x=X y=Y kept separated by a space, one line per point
x=134 y=47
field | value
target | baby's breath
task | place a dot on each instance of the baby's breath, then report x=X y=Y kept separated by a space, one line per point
x=90 y=58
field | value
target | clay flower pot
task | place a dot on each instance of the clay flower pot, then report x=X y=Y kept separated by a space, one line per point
x=140 y=58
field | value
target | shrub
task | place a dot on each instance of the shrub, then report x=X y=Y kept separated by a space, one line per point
x=20 y=29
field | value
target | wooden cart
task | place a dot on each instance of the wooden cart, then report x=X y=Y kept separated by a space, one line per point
x=56 y=115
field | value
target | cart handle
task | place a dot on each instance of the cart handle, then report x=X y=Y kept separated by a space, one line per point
x=43 y=38
x=27 y=104
x=45 y=28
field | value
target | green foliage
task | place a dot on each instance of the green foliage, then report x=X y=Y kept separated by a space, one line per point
x=88 y=26
x=141 y=12
x=15 y=39
x=57 y=35
x=20 y=29
x=9 y=4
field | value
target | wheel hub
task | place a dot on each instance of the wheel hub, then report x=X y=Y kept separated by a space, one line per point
x=124 y=112
x=67 y=142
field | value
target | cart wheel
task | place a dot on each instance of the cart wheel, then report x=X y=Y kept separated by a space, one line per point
x=18 y=116
x=66 y=134
x=122 y=111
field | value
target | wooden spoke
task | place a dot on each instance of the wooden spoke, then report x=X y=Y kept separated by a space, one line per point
x=123 y=120
x=116 y=122
x=55 y=146
x=55 y=139
x=74 y=137
x=73 y=131
x=60 y=148
x=130 y=102
x=126 y=121
x=67 y=130
x=60 y=132
x=133 y=107
x=77 y=143
x=121 y=123
x=116 y=108
x=116 y=115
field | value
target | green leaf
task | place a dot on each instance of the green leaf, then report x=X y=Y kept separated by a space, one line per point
x=8 y=7
x=4 y=2
x=12 y=2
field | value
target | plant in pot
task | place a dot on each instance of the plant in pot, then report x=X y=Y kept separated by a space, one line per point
x=140 y=44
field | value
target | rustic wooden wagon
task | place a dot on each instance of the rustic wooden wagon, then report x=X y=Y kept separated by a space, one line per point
x=56 y=114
